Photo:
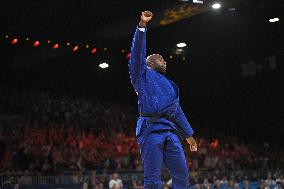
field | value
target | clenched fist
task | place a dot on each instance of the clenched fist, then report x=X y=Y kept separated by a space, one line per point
x=145 y=18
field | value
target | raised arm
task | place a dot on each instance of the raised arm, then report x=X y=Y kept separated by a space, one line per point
x=137 y=63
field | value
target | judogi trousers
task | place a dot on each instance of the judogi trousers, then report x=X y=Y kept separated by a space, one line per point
x=156 y=148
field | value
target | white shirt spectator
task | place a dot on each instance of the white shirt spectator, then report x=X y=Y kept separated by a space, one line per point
x=115 y=182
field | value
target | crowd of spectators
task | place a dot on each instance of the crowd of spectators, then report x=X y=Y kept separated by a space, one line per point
x=214 y=181
x=65 y=133
x=55 y=137
x=275 y=181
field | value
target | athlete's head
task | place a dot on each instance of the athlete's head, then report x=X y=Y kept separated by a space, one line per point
x=156 y=62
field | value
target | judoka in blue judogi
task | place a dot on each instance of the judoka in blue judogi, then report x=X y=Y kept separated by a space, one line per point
x=162 y=123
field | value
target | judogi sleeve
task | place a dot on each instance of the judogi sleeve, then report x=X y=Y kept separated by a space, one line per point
x=137 y=63
x=184 y=127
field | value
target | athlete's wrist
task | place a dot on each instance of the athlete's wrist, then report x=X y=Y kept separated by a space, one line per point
x=142 y=24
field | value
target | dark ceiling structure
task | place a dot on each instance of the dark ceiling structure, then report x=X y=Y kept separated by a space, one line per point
x=230 y=68
x=109 y=23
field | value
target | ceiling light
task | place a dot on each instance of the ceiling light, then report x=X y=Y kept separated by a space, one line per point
x=94 y=50
x=36 y=43
x=274 y=20
x=216 y=6
x=75 y=48
x=14 y=41
x=197 y=1
x=55 y=46
x=181 y=45
x=104 y=65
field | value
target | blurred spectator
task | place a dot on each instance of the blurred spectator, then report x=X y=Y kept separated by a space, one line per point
x=115 y=182
x=217 y=184
x=206 y=184
x=85 y=185
x=25 y=178
x=94 y=179
x=17 y=186
x=246 y=184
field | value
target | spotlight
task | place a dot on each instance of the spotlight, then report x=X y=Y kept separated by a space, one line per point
x=103 y=65
x=94 y=50
x=181 y=45
x=14 y=41
x=36 y=43
x=128 y=56
x=274 y=20
x=55 y=46
x=27 y=38
x=216 y=6
x=6 y=36
x=197 y=1
x=75 y=48
x=68 y=44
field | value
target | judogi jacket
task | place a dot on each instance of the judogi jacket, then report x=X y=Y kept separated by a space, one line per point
x=157 y=95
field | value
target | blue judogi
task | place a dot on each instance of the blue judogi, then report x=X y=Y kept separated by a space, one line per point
x=159 y=140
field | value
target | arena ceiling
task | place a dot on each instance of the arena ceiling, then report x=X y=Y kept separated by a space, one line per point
x=111 y=23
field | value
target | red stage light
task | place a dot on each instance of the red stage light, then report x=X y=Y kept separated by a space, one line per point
x=55 y=46
x=94 y=50
x=14 y=41
x=214 y=144
x=128 y=56
x=36 y=43
x=75 y=48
